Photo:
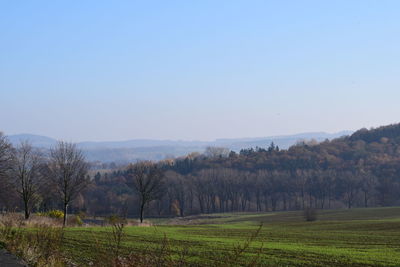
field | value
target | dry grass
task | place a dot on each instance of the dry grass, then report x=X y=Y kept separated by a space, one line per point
x=37 y=244
x=17 y=220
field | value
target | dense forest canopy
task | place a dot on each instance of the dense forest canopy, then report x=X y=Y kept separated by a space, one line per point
x=360 y=170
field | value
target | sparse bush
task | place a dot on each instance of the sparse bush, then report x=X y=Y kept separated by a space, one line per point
x=162 y=255
x=74 y=220
x=78 y=220
x=236 y=256
x=117 y=233
x=310 y=214
x=109 y=253
x=81 y=214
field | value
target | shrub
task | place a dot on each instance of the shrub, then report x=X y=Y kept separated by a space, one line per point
x=109 y=252
x=55 y=214
x=74 y=220
x=81 y=215
x=310 y=214
x=236 y=255
x=78 y=220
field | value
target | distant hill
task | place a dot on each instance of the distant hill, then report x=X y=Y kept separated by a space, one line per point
x=376 y=134
x=148 y=149
x=35 y=140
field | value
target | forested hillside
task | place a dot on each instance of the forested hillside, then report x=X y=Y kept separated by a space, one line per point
x=361 y=170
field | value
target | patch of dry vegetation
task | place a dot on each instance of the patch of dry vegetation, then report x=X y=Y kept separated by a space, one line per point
x=37 y=242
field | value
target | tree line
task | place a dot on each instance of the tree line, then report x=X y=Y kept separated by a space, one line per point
x=361 y=170
x=27 y=173
x=36 y=181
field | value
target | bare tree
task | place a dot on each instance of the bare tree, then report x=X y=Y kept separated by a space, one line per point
x=177 y=189
x=6 y=161
x=6 y=156
x=214 y=152
x=67 y=172
x=349 y=185
x=28 y=175
x=148 y=181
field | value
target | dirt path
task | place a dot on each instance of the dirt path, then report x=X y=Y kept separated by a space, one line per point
x=9 y=260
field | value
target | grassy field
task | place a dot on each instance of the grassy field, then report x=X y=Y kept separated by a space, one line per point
x=358 y=237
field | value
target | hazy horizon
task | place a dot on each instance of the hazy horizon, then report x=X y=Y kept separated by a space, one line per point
x=98 y=71
x=183 y=140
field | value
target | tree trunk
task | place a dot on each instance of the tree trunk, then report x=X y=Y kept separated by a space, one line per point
x=350 y=201
x=329 y=199
x=27 y=213
x=222 y=205
x=258 y=202
x=284 y=201
x=213 y=204
x=266 y=203
x=273 y=203
x=366 y=199
x=65 y=214
x=182 y=207
x=141 y=211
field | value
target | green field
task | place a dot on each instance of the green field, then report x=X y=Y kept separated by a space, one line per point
x=357 y=237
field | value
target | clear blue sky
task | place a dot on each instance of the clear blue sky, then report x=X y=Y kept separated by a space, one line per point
x=113 y=70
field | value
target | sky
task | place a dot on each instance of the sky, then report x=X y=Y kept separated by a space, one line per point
x=197 y=70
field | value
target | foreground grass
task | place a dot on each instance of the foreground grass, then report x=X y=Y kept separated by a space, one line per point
x=359 y=237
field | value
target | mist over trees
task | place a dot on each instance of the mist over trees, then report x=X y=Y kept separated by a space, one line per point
x=361 y=170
